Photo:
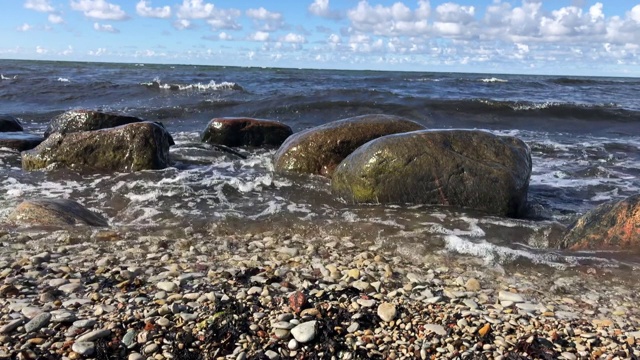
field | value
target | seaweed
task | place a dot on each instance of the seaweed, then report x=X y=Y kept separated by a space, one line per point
x=539 y=348
x=230 y=320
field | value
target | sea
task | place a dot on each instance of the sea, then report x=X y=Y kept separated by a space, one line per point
x=584 y=134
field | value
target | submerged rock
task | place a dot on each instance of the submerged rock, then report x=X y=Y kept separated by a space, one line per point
x=463 y=168
x=245 y=132
x=319 y=150
x=612 y=225
x=55 y=212
x=87 y=120
x=19 y=141
x=9 y=123
x=132 y=147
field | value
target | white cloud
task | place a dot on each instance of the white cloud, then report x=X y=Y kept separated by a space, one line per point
x=224 y=36
x=634 y=14
x=143 y=8
x=105 y=28
x=294 y=38
x=397 y=19
x=55 y=19
x=259 y=36
x=40 y=50
x=98 y=52
x=39 y=5
x=334 y=39
x=217 y=18
x=68 y=51
x=24 y=27
x=182 y=24
x=321 y=8
x=267 y=20
x=99 y=9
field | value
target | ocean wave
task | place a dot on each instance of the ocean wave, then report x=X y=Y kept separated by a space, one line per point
x=61 y=79
x=212 y=85
x=2 y=77
x=494 y=80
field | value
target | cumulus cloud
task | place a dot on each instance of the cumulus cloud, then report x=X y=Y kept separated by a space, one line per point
x=294 y=38
x=97 y=52
x=143 y=8
x=265 y=19
x=321 y=8
x=182 y=24
x=259 y=36
x=24 y=27
x=105 y=28
x=217 y=18
x=66 y=52
x=40 y=50
x=55 y=19
x=99 y=9
x=397 y=19
x=39 y=5
x=224 y=36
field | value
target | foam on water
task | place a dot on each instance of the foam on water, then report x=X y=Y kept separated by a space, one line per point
x=494 y=80
x=211 y=85
x=62 y=79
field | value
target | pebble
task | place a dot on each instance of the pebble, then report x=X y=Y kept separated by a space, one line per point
x=135 y=356
x=304 y=332
x=387 y=311
x=38 y=322
x=84 y=348
x=94 y=335
x=438 y=329
x=168 y=286
x=509 y=296
x=11 y=326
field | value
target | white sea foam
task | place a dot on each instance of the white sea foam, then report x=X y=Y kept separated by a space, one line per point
x=211 y=85
x=2 y=77
x=61 y=79
x=494 y=80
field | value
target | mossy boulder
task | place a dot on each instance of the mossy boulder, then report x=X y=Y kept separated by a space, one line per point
x=9 y=123
x=245 y=132
x=461 y=168
x=132 y=147
x=19 y=141
x=86 y=120
x=319 y=150
x=613 y=225
x=55 y=212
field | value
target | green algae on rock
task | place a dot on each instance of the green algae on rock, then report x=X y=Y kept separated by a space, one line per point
x=319 y=150
x=132 y=147
x=463 y=168
x=54 y=212
x=612 y=225
x=242 y=131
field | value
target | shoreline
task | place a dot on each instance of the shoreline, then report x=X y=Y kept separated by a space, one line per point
x=277 y=295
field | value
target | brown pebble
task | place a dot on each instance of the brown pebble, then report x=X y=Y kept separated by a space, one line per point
x=484 y=330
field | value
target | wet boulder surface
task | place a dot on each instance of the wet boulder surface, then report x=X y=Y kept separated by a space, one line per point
x=87 y=120
x=610 y=226
x=132 y=147
x=9 y=123
x=54 y=212
x=319 y=150
x=461 y=168
x=242 y=131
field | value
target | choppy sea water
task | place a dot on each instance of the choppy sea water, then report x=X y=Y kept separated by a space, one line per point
x=583 y=133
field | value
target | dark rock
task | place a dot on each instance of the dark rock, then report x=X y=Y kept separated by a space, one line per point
x=9 y=123
x=132 y=147
x=55 y=212
x=612 y=225
x=319 y=150
x=86 y=120
x=19 y=141
x=245 y=132
x=463 y=168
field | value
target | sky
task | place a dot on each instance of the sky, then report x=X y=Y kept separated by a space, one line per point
x=561 y=37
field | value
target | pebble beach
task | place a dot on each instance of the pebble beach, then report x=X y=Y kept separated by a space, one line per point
x=120 y=294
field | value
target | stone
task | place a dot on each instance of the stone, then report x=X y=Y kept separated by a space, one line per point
x=55 y=212
x=11 y=326
x=9 y=123
x=86 y=120
x=387 y=311
x=462 y=168
x=38 y=322
x=510 y=296
x=472 y=285
x=84 y=348
x=304 y=332
x=437 y=329
x=319 y=150
x=62 y=316
x=135 y=356
x=245 y=132
x=19 y=141
x=610 y=226
x=85 y=323
x=132 y=147
x=168 y=286
x=271 y=355
x=94 y=335
x=70 y=288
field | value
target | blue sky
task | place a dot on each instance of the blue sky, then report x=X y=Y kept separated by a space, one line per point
x=530 y=36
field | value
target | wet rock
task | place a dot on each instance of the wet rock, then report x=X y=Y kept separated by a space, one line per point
x=9 y=123
x=19 y=141
x=55 y=212
x=245 y=132
x=319 y=150
x=612 y=225
x=86 y=120
x=463 y=168
x=132 y=147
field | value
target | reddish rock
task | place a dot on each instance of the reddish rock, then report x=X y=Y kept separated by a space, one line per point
x=245 y=132
x=612 y=225
x=297 y=301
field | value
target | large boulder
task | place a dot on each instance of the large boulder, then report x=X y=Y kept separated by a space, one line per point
x=463 y=168
x=612 y=225
x=86 y=120
x=54 y=212
x=245 y=132
x=9 y=123
x=319 y=150
x=19 y=141
x=132 y=147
